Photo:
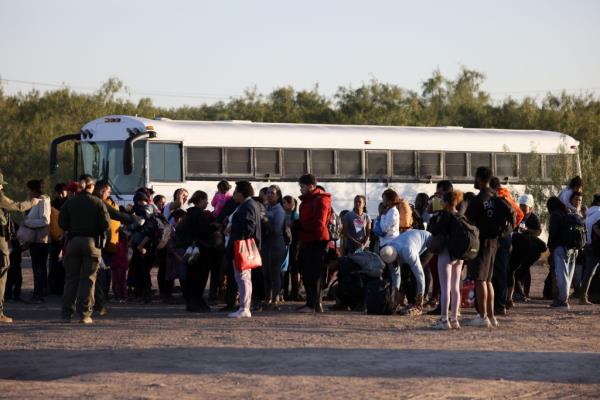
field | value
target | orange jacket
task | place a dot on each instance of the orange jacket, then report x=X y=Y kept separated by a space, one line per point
x=406 y=216
x=505 y=194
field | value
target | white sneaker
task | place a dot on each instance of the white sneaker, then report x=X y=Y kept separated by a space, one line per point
x=494 y=322
x=478 y=321
x=241 y=313
x=441 y=324
x=454 y=324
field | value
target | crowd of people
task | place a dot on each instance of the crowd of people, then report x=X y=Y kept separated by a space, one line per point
x=411 y=256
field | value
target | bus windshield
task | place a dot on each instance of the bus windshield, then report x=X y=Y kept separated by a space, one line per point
x=104 y=160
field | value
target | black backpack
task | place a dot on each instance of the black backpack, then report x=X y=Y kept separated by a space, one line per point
x=463 y=241
x=573 y=232
x=379 y=297
x=350 y=290
x=502 y=217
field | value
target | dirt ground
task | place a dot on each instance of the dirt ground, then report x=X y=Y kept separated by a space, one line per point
x=160 y=351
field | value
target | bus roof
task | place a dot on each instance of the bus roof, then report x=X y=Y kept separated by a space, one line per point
x=315 y=136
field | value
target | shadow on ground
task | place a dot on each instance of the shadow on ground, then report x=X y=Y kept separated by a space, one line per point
x=561 y=367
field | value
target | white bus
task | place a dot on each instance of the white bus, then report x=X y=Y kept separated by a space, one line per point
x=164 y=154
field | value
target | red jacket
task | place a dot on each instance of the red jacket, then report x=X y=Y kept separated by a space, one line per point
x=504 y=193
x=314 y=216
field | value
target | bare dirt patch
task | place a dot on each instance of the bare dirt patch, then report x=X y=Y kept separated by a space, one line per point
x=160 y=351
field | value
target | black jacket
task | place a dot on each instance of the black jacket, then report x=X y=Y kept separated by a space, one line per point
x=245 y=223
x=555 y=227
x=197 y=226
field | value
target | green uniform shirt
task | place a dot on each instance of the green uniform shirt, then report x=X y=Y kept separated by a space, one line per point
x=84 y=215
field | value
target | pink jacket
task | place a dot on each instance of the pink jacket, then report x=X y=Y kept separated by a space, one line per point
x=218 y=202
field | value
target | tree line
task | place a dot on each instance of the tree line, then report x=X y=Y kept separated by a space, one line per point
x=29 y=121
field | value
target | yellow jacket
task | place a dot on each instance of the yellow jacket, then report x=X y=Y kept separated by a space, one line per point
x=111 y=247
x=55 y=230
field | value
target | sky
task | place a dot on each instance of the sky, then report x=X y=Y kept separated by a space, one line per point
x=192 y=52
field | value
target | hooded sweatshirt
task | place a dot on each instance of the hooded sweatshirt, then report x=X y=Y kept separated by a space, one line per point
x=505 y=194
x=591 y=217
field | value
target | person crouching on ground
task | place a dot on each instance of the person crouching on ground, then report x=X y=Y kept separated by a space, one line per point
x=409 y=248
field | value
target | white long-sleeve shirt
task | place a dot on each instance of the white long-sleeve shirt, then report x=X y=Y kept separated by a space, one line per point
x=390 y=225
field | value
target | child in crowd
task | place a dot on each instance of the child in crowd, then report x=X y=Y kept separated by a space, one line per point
x=176 y=264
x=220 y=197
x=119 y=267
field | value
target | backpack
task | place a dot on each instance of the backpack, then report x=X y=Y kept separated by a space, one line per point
x=333 y=226
x=164 y=233
x=350 y=290
x=379 y=297
x=463 y=241
x=406 y=214
x=467 y=297
x=503 y=217
x=573 y=232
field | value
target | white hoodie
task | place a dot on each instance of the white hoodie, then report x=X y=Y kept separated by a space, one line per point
x=591 y=217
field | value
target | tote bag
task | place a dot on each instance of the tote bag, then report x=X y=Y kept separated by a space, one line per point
x=246 y=254
x=26 y=236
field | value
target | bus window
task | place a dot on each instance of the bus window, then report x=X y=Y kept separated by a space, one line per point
x=506 y=165
x=530 y=166
x=560 y=166
x=323 y=163
x=480 y=160
x=165 y=162
x=267 y=162
x=350 y=162
x=403 y=163
x=239 y=161
x=377 y=164
x=430 y=164
x=455 y=165
x=294 y=162
x=204 y=160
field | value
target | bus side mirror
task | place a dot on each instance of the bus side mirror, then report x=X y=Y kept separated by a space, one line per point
x=128 y=157
x=54 y=149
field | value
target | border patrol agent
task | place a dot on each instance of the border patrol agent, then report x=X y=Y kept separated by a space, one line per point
x=86 y=221
x=6 y=205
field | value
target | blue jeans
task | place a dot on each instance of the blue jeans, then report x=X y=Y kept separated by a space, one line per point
x=412 y=259
x=564 y=268
x=591 y=265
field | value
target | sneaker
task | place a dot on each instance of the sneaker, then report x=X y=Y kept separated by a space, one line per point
x=86 y=320
x=441 y=324
x=494 y=322
x=584 y=301
x=413 y=311
x=5 y=320
x=454 y=324
x=241 y=313
x=478 y=321
x=103 y=311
